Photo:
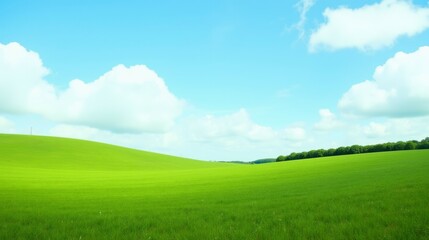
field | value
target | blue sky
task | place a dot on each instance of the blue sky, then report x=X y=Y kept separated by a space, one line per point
x=224 y=80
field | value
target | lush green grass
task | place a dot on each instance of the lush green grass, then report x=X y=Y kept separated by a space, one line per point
x=54 y=188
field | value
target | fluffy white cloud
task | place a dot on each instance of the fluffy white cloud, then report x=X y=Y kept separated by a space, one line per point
x=295 y=134
x=400 y=88
x=374 y=130
x=370 y=27
x=6 y=126
x=386 y=130
x=125 y=99
x=133 y=99
x=328 y=121
x=235 y=136
x=228 y=127
x=21 y=79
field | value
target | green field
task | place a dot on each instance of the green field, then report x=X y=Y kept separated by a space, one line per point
x=53 y=188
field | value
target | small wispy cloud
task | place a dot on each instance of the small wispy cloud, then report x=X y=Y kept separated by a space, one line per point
x=303 y=6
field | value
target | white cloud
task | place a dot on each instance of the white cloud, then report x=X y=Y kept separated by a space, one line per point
x=374 y=130
x=400 y=88
x=293 y=134
x=229 y=127
x=21 y=79
x=227 y=137
x=408 y=128
x=234 y=136
x=125 y=99
x=389 y=130
x=328 y=121
x=6 y=126
x=133 y=99
x=370 y=27
x=303 y=7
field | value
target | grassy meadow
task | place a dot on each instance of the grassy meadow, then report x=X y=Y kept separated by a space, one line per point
x=54 y=188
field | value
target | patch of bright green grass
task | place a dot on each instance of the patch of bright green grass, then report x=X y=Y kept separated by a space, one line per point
x=53 y=188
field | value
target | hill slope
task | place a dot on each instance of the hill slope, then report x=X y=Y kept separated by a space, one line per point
x=69 y=189
x=64 y=153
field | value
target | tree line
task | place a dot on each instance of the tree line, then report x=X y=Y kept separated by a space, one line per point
x=355 y=149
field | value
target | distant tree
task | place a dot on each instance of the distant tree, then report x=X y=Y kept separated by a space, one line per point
x=410 y=145
x=355 y=149
x=320 y=152
x=340 y=151
x=389 y=146
x=379 y=148
x=315 y=153
x=280 y=158
x=291 y=156
x=347 y=150
x=302 y=155
x=330 y=152
x=399 y=146
x=371 y=148
x=365 y=149
x=423 y=144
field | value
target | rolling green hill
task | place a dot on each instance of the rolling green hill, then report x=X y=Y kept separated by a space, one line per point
x=54 y=188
